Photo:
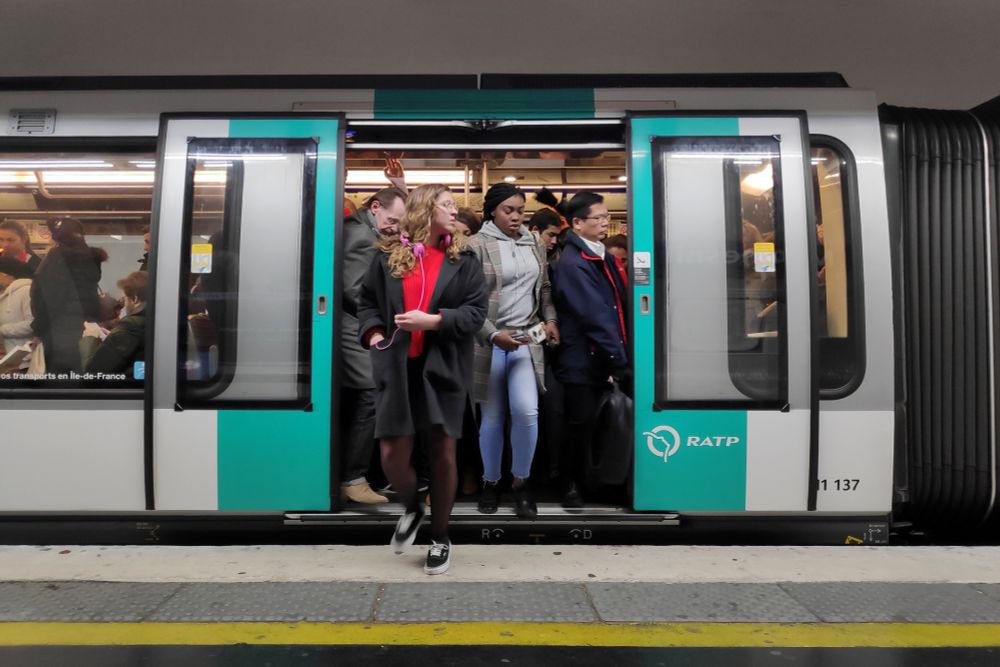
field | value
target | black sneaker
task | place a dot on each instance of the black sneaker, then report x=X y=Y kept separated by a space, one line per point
x=438 y=558
x=489 y=498
x=406 y=529
x=524 y=504
x=572 y=499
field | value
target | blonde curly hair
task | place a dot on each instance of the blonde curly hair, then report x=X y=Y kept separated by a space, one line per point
x=416 y=226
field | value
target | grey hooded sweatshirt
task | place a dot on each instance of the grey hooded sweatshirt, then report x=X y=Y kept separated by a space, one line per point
x=517 y=277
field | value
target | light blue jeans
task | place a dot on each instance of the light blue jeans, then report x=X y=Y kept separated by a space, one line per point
x=512 y=383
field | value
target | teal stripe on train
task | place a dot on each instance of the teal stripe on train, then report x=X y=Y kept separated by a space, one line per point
x=448 y=104
x=671 y=473
x=278 y=459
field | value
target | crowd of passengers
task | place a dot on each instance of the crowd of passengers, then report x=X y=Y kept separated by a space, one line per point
x=55 y=320
x=547 y=338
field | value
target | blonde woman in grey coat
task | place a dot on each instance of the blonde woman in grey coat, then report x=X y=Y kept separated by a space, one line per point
x=509 y=366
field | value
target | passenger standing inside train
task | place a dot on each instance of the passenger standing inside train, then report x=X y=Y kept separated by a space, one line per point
x=64 y=294
x=422 y=301
x=546 y=225
x=509 y=368
x=549 y=203
x=15 y=304
x=469 y=222
x=14 y=243
x=469 y=461
x=380 y=215
x=144 y=262
x=126 y=343
x=590 y=299
x=617 y=245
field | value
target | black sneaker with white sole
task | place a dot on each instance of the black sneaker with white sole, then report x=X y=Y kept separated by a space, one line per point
x=438 y=558
x=406 y=529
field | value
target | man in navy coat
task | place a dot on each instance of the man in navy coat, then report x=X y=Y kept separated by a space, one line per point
x=590 y=300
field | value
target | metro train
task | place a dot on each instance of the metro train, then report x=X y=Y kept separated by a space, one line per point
x=812 y=277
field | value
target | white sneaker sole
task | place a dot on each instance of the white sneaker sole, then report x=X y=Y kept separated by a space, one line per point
x=440 y=569
x=400 y=547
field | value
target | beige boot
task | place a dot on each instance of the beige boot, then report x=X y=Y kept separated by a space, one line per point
x=362 y=493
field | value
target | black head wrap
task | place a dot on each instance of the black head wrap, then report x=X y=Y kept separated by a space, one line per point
x=496 y=195
x=13 y=267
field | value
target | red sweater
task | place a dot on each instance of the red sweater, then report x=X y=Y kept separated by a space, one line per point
x=424 y=275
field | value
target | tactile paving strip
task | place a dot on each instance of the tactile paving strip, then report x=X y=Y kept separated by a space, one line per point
x=696 y=602
x=462 y=601
x=913 y=603
x=81 y=601
x=533 y=602
x=341 y=601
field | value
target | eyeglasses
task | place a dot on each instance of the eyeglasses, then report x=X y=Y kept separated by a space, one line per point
x=605 y=217
x=448 y=206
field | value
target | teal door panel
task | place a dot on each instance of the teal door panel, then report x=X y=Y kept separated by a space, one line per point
x=248 y=206
x=278 y=460
x=721 y=313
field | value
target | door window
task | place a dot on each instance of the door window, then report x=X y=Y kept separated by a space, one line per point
x=720 y=275
x=838 y=277
x=246 y=280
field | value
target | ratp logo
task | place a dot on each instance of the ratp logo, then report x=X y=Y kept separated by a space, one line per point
x=664 y=441
x=670 y=444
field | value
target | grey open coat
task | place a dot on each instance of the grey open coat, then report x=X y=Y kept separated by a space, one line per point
x=460 y=297
x=488 y=252
x=360 y=236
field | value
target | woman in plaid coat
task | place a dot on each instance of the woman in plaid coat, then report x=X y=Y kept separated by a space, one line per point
x=508 y=370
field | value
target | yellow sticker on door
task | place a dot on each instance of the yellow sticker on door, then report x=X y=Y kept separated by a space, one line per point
x=763 y=257
x=201 y=258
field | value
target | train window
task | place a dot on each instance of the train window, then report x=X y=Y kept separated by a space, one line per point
x=74 y=225
x=841 y=349
x=720 y=272
x=246 y=285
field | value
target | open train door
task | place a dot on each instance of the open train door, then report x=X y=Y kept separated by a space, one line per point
x=723 y=281
x=238 y=403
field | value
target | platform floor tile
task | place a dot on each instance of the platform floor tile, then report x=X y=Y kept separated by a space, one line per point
x=330 y=602
x=913 y=603
x=991 y=591
x=81 y=601
x=696 y=602
x=462 y=601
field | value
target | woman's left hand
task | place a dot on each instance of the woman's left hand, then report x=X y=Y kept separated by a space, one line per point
x=417 y=320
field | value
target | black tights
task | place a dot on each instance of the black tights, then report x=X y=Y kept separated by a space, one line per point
x=396 y=455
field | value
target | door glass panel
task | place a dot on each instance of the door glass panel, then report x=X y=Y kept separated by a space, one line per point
x=838 y=277
x=720 y=271
x=246 y=284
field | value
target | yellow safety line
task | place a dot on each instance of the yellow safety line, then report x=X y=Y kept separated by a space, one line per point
x=507 y=634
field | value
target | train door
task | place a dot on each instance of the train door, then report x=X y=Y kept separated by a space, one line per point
x=723 y=289
x=238 y=408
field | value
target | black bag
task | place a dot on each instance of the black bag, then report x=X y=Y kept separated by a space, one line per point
x=609 y=460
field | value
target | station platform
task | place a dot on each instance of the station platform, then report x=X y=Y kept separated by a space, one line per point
x=514 y=604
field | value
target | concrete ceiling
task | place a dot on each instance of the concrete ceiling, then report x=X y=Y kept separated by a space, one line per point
x=933 y=53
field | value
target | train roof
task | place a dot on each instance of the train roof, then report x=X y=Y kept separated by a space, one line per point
x=426 y=81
